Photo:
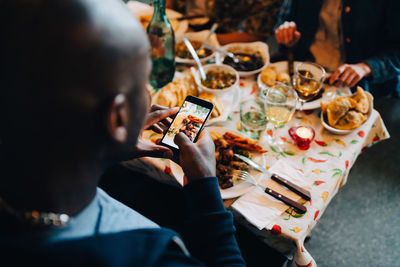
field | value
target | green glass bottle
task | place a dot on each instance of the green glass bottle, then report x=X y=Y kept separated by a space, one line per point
x=162 y=41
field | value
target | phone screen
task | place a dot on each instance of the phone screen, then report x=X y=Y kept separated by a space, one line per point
x=189 y=120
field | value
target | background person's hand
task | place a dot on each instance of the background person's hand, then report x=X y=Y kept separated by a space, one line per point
x=196 y=159
x=349 y=74
x=158 y=120
x=287 y=34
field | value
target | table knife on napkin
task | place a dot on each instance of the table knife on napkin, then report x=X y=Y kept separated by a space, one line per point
x=291 y=186
x=299 y=208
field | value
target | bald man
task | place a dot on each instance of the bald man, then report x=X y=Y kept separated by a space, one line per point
x=73 y=102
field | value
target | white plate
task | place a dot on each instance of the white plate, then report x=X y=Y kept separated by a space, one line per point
x=329 y=93
x=198 y=36
x=249 y=48
x=343 y=132
x=141 y=9
x=238 y=189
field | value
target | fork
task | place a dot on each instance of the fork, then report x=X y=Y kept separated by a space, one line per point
x=246 y=176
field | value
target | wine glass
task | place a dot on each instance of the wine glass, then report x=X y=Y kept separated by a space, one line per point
x=280 y=104
x=307 y=80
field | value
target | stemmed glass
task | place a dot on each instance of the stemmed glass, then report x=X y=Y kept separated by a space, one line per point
x=280 y=104
x=307 y=80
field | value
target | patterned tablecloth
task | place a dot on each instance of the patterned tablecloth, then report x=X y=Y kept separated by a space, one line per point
x=326 y=164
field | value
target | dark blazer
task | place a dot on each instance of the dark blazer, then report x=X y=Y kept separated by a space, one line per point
x=209 y=236
x=371 y=31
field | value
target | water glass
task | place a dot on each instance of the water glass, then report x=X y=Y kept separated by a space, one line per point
x=252 y=118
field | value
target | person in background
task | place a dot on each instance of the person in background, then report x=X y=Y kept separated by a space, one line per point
x=73 y=102
x=238 y=21
x=357 y=41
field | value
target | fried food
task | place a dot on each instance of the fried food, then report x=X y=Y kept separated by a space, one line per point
x=339 y=107
x=243 y=143
x=347 y=112
x=283 y=77
x=362 y=100
x=269 y=75
x=217 y=111
x=351 y=120
x=174 y=93
x=226 y=146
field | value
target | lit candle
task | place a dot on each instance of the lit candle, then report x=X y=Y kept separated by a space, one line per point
x=303 y=136
x=304 y=132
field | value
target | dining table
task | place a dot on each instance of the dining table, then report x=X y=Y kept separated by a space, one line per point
x=323 y=169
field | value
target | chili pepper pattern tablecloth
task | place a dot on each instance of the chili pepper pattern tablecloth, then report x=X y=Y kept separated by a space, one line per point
x=326 y=164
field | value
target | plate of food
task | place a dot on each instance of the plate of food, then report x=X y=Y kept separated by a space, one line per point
x=278 y=71
x=196 y=38
x=174 y=93
x=227 y=142
x=344 y=114
x=253 y=57
x=144 y=13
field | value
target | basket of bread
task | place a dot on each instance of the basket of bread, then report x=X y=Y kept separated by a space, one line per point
x=344 y=114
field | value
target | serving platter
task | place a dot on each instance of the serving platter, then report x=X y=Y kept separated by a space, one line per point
x=329 y=92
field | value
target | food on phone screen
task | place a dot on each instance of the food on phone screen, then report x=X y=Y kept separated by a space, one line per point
x=189 y=121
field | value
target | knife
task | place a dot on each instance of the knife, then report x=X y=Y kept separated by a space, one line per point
x=299 y=208
x=291 y=186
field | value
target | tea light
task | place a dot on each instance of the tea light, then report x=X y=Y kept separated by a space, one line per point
x=303 y=136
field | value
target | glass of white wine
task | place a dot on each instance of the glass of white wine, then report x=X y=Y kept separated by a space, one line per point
x=280 y=104
x=307 y=80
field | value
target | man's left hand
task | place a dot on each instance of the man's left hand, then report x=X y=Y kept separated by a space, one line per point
x=158 y=120
x=349 y=74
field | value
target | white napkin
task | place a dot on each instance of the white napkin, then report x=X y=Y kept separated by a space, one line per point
x=261 y=209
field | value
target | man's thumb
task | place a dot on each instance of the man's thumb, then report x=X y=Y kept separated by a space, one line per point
x=182 y=140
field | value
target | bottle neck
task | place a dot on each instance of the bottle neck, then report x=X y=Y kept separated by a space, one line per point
x=159 y=9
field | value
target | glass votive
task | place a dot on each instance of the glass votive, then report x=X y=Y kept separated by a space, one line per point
x=302 y=136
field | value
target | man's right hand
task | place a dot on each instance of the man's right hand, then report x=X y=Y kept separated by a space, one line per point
x=196 y=159
x=287 y=34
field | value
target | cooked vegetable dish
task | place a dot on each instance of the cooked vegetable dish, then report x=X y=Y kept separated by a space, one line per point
x=183 y=52
x=247 y=62
x=219 y=79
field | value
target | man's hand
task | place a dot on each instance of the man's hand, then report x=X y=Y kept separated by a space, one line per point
x=349 y=74
x=157 y=120
x=287 y=34
x=196 y=159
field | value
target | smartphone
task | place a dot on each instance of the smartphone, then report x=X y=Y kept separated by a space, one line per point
x=190 y=120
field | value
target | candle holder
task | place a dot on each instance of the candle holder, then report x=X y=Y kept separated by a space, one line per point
x=302 y=136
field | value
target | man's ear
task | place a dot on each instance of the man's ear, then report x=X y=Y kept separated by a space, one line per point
x=117 y=118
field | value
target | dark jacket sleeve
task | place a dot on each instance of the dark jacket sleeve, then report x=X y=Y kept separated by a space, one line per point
x=385 y=65
x=209 y=231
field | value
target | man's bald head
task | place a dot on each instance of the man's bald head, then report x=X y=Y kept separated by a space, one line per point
x=62 y=62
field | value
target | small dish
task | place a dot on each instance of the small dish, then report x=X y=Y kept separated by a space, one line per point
x=248 y=48
x=198 y=36
x=215 y=67
x=343 y=132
